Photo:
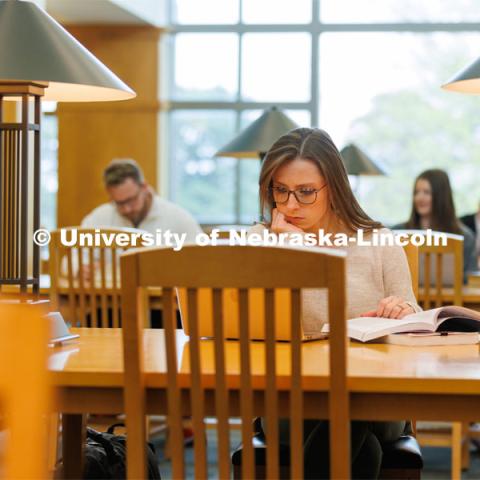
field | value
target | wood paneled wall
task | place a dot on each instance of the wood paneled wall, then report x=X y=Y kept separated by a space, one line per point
x=90 y=135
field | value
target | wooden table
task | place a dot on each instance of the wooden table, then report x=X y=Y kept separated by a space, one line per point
x=470 y=292
x=44 y=289
x=470 y=295
x=473 y=279
x=387 y=382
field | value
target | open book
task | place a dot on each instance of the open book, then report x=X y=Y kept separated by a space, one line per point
x=443 y=319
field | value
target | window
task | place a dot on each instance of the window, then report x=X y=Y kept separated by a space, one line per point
x=49 y=167
x=395 y=110
x=367 y=71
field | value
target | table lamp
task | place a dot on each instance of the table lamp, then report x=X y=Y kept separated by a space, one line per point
x=255 y=140
x=38 y=59
x=467 y=80
x=358 y=162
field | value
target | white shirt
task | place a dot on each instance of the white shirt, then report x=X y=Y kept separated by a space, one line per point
x=163 y=215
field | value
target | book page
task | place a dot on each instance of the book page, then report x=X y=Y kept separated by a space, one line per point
x=368 y=328
x=453 y=318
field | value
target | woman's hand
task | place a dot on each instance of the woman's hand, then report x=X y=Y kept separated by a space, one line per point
x=280 y=225
x=391 y=307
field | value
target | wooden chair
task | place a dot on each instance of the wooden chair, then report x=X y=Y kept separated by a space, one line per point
x=443 y=434
x=93 y=301
x=24 y=392
x=401 y=459
x=237 y=391
x=434 y=261
x=454 y=247
x=411 y=252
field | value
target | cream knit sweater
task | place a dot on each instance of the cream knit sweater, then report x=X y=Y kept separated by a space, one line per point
x=373 y=273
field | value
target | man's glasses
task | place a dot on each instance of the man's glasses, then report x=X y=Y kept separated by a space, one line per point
x=128 y=201
x=305 y=196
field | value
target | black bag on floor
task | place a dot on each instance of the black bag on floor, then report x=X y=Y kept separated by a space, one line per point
x=105 y=456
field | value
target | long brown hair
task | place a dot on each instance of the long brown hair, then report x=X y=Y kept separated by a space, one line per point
x=443 y=217
x=315 y=145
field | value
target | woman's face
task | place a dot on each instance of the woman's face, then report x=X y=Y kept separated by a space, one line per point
x=423 y=197
x=302 y=176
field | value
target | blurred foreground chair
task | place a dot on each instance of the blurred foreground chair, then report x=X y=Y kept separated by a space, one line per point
x=24 y=391
x=227 y=382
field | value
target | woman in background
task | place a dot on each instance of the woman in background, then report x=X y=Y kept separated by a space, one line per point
x=304 y=188
x=433 y=208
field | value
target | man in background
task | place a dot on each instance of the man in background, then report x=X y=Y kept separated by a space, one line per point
x=134 y=203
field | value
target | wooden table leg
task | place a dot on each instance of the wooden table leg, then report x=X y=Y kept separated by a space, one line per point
x=73 y=437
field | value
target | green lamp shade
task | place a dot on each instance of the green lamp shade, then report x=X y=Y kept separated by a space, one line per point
x=466 y=81
x=358 y=162
x=259 y=136
x=35 y=48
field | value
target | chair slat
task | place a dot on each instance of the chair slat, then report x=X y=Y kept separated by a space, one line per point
x=271 y=397
x=196 y=390
x=135 y=396
x=81 y=288
x=458 y=273
x=115 y=290
x=54 y=270
x=339 y=405
x=221 y=392
x=296 y=394
x=439 y=279
x=427 y=286
x=71 y=293
x=93 y=290
x=174 y=418
x=103 y=289
x=246 y=394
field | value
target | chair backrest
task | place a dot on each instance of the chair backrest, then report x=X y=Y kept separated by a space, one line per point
x=228 y=372
x=440 y=266
x=85 y=280
x=411 y=252
x=24 y=390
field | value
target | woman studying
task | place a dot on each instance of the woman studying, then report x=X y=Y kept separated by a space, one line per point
x=433 y=207
x=304 y=188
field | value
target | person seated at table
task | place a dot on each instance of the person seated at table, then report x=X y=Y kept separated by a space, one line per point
x=134 y=203
x=472 y=221
x=433 y=207
x=304 y=188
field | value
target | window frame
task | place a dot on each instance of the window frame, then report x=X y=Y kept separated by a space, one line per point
x=315 y=28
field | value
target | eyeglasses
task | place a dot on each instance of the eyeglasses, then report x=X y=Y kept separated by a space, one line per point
x=305 y=196
x=128 y=201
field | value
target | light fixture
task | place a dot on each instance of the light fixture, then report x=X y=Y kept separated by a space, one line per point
x=38 y=59
x=467 y=80
x=255 y=140
x=357 y=162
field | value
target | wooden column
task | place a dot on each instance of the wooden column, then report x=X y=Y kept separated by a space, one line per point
x=92 y=134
